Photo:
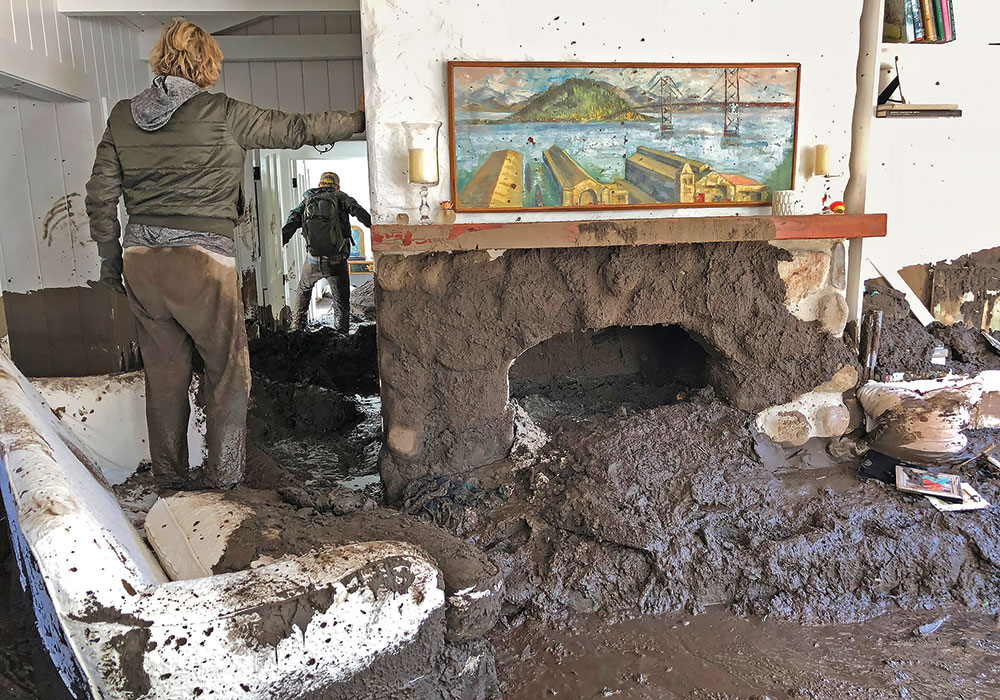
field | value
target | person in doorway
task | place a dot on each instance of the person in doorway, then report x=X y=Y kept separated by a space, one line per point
x=323 y=214
x=176 y=153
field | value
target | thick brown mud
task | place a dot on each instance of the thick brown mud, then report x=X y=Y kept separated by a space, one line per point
x=646 y=511
x=721 y=656
x=653 y=545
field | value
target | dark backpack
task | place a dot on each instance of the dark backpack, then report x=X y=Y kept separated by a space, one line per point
x=321 y=224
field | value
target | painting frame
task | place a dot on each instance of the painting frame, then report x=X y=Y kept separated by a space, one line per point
x=460 y=207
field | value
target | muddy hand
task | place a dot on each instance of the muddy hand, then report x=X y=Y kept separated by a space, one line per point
x=111 y=274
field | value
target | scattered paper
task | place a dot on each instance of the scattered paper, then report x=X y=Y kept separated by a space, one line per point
x=971 y=500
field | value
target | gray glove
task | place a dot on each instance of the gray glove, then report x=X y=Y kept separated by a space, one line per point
x=111 y=274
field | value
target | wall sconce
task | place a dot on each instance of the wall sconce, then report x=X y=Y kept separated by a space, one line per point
x=422 y=142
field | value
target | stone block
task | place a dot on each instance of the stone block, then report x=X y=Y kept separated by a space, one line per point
x=832 y=421
x=833 y=313
x=838 y=269
x=804 y=274
x=787 y=427
x=393 y=272
x=845 y=379
x=403 y=440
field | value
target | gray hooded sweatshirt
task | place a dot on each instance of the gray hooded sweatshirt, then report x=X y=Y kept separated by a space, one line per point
x=152 y=109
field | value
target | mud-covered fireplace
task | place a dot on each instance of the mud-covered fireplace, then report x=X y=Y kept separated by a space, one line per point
x=636 y=367
x=759 y=319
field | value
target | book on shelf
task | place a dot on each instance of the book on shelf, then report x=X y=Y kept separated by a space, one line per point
x=908 y=28
x=894 y=26
x=894 y=110
x=904 y=107
x=938 y=20
x=927 y=12
x=918 y=21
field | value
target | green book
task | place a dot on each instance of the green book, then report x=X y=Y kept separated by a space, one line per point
x=938 y=21
x=951 y=16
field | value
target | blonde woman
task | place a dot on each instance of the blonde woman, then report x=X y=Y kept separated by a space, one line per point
x=177 y=153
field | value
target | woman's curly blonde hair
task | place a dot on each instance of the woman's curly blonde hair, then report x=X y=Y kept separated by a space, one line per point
x=185 y=50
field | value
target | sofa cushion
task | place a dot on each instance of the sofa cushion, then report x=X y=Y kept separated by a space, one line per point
x=202 y=533
x=189 y=532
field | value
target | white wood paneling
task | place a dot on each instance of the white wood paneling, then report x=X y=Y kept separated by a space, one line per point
x=47 y=192
x=264 y=84
x=316 y=86
x=19 y=21
x=187 y=7
x=291 y=88
x=18 y=248
x=342 y=94
x=48 y=147
x=238 y=81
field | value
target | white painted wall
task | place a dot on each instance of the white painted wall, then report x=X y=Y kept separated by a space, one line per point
x=407 y=46
x=937 y=177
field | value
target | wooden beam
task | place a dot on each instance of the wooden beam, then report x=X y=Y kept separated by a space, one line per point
x=557 y=234
x=866 y=76
x=306 y=47
x=35 y=75
x=85 y=8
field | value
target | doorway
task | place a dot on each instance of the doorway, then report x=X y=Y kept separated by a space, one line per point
x=285 y=176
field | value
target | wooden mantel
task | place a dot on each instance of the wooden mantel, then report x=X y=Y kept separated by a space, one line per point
x=559 y=234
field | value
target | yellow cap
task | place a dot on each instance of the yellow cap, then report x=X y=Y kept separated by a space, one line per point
x=327 y=179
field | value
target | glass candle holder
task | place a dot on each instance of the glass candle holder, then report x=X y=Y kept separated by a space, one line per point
x=422 y=144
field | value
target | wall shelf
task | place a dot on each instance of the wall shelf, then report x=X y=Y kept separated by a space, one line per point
x=612 y=232
x=919 y=112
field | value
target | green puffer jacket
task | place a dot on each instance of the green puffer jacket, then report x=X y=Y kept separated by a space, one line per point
x=188 y=172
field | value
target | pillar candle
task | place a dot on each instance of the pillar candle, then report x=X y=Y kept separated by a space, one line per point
x=423 y=165
x=822 y=160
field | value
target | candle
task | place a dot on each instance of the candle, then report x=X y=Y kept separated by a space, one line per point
x=822 y=160
x=423 y=165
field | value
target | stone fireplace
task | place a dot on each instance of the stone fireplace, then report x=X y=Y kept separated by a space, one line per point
x=763 y=314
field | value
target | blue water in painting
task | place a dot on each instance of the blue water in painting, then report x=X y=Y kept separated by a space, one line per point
x=601 y=147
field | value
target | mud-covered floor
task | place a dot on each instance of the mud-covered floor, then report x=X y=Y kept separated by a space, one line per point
x=653 y=545
x=720 y=656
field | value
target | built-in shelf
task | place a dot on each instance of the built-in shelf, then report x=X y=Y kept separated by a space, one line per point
x=613 y=232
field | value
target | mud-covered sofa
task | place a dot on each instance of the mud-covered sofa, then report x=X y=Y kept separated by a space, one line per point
x=363 y=620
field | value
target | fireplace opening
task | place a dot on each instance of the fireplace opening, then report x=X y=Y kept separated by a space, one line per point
x=639 y=367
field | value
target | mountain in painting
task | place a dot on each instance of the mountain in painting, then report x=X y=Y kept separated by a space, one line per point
x=641 y=97
x=579 y=100
x=486 y=99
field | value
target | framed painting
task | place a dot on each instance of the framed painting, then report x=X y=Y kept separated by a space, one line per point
x=583 y=136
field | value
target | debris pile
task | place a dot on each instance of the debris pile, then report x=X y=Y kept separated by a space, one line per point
x=907 y=347
x=314 y=423
x=322 y=357
x=363 y=301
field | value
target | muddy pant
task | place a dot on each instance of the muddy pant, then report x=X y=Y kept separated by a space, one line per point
x=337 y=273
x=183 y=297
